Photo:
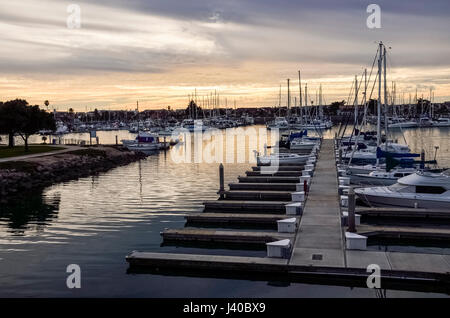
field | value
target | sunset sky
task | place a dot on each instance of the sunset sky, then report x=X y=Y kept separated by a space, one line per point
x=159 y=51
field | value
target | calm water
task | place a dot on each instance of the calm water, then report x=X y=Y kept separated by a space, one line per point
x=94 y=222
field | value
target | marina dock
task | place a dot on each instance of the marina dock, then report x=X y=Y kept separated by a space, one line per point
x=318 y=245
x=319 y=237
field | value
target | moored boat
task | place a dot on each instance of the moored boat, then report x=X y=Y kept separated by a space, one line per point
x=418 y=190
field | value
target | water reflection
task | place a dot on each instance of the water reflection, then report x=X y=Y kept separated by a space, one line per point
x=97 y=220
x=32 y=213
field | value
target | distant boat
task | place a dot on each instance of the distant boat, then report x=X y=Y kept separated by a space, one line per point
x=402 y=123
x=442 y=122
x=282 y=158
x=278 y=123
x=192 y=125
x=302 y=144
x=144 y=142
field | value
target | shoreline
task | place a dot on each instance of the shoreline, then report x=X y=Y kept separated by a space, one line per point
x=22 y=176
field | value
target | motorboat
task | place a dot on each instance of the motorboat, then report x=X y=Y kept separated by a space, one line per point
x=302 y=144
x=402 y=123
x=193 y=125
x=418 y=190
x=281 y=158
x=315 y=124
x=363 y=169
x=442 y=122
x=144 y=142
x=425 y=122
x=380 y=177
x=279 y=123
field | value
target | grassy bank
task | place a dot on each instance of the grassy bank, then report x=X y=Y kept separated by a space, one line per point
x=6 y=152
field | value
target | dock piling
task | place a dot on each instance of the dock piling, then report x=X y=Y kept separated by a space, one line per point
x=351 y=210
x=222 y=181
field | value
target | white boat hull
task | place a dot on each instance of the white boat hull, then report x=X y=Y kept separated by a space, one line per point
x=273 y=161
x=390 y=199
x=143 y=148
x=365 y=179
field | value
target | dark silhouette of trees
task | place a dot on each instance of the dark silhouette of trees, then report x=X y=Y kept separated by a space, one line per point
x=334 y=107
x=18 y=118
x=194 y=111
x=11 y=118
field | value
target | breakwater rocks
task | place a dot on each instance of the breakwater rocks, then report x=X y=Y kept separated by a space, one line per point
x=18 y=177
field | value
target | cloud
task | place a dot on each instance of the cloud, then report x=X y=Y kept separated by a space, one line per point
x=235 y=44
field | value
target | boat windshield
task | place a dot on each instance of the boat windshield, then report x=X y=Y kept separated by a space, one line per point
x=397 y=187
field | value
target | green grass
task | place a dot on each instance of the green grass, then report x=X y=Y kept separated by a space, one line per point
x=6 y=152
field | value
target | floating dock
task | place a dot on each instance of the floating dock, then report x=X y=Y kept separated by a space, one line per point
x=235 y=218
x=240 y=206
x=319 y=251
x=213 y=236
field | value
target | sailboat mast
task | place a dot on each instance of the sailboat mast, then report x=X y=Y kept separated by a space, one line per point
x=300 y=89
x=385 y=96
x=365 y=96
x=380 y=58
x=320 y=102
x=356 y=100
x=288 y=99
x=137 y=109
x=306 y=95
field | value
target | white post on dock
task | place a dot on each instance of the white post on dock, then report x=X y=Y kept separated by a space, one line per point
x=351 y=211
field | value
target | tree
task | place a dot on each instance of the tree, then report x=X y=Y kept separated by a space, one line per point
x=96 y=114
x=373 y=106
x=334 y=107
x=17 y=117
x=193 y=110
x=11 y=118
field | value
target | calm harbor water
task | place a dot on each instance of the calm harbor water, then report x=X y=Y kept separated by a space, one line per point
x=95 y=221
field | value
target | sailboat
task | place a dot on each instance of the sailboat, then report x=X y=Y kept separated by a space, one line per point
x=354 y=153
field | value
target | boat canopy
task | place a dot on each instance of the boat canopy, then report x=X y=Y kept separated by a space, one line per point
x=146 y=138
x=298 y=135
x=427 y=179
x=385 y=154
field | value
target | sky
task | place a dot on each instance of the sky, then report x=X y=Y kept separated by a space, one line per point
x=160 y=51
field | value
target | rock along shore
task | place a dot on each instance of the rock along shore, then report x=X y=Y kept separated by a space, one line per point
x=19 y=177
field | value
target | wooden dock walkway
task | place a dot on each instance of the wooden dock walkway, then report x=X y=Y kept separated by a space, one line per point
x=235 y=218
x=219 y=236
x=319 y=237
x=241 y=206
